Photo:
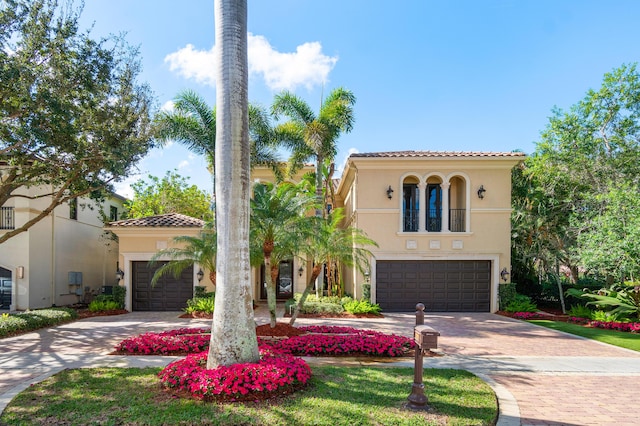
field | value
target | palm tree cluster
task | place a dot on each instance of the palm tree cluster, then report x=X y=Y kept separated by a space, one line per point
x=280 y=226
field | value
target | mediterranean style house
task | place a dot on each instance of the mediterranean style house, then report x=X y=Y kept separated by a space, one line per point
x=63 y=258
x=441 y=221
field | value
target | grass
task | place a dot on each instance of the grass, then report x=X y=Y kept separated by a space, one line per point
x=335 y=396
x=612 y=337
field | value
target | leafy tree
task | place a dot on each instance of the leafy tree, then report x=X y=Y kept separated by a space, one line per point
x=330 y=242
x=233 y=332
x=73 y=118
x=171 y=194
x=279 y=224
x=569 y=198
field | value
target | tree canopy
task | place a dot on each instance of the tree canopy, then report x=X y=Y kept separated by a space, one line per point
x=576 y=197
x=73 y=118
x=171 y=194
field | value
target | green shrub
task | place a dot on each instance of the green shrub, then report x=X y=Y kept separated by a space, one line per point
x=103 y=304
x=507 y=294
x=11 y=324
x=361 y=307
x=321 y=308
x=580 y=311
x=607 y=316
x=521 y=303
x=118 y=296
x=366 y=291
x=200 y=304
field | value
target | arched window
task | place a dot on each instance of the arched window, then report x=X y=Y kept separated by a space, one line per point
x=410 y=205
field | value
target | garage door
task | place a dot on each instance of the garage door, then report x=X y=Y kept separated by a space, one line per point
x=441 y=285
x=168 y=294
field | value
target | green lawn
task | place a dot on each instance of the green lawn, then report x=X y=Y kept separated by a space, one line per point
x=335 y=396
x=612 y=337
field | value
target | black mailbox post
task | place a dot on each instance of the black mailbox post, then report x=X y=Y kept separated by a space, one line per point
x=426 y=338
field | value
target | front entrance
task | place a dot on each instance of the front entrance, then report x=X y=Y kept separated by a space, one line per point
x=168 y=294
x=284 y=283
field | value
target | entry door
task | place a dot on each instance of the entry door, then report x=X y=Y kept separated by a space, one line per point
x=284 y=283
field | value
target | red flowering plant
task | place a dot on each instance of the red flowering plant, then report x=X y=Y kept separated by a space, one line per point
x=172 y=342
x=529 y=315
x=629 y=327
x=343 y=341
x=274 y=374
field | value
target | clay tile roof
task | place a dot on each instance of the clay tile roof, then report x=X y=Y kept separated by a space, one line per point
x=435 y=154
x=161 y=221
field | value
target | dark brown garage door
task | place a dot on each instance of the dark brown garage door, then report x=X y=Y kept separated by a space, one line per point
x=441 y=285
x=168 y=294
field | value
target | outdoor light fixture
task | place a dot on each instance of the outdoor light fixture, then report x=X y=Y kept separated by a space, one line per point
x=119 y=274
x=389 y=192
x=300 y=271
x=366 y=275
x=504 y=274
x=200 y=275
x=20 y=272
x=481 y=192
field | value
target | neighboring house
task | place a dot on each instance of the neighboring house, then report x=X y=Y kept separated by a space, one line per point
x=139 y=241
x=61 y=260
x=441 y=220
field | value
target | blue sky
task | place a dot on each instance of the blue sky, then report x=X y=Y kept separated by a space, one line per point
x=465 y=75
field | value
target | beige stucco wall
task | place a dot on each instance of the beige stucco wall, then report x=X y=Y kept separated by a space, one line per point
x=55 y=246
x=487 y=234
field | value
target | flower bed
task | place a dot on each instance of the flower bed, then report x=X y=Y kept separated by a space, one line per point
x=629 y=327
x=530 y=315
x=326 y=341
x=172 y=342
x=275 y=374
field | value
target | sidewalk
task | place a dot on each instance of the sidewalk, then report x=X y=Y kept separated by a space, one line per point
x=541 y=376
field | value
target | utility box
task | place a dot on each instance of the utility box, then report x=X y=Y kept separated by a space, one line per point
x=425 y=337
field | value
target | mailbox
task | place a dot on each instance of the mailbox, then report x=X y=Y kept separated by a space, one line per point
x=425 y=337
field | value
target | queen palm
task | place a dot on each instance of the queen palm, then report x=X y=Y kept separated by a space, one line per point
x=311 y=136
x=330 y=242
x=279 y=223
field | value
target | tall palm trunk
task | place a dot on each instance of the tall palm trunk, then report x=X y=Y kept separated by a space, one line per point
x=271 y=275
x=233 y=333
x=314 y=274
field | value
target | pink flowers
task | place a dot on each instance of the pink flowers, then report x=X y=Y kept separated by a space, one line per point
x=179 y=341
x=630 y=327
x=529 y=315
x=274 y=373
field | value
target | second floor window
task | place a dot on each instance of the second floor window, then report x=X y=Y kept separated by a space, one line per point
x=113 y=213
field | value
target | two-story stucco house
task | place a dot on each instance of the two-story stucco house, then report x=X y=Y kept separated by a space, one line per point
x=61 y=258
x=442 y=223
x=441 y=220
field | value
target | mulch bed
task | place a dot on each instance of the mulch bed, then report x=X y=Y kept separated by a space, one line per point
x=340 y=315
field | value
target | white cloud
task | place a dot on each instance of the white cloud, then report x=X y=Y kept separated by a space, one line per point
x=183 y=164
x=168 y=106
x=193 y=64
x=124 y=188
x=306 y=67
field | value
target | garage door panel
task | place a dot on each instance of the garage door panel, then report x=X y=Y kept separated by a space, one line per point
x=169 y=294
x=454 y=286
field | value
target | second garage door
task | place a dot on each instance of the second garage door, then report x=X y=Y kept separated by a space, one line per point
x=169 y=294
x=441 y=285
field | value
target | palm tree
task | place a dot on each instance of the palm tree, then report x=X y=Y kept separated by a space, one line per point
x=192 y=123
x=330 y=242
x=314 y=136
x=278 y=224
x=233 y=331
